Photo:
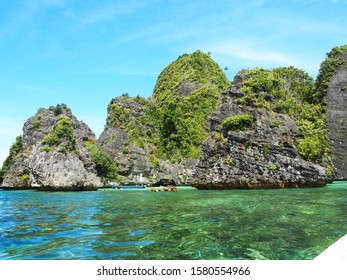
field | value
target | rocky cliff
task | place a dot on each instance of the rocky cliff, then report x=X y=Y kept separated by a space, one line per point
x=332 y=85
x=51 y=154
x=161 y=137
x=268 y=130
x=129 y=138
x=266 y=134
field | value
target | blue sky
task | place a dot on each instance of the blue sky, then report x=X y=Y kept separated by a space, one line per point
x=85 y=52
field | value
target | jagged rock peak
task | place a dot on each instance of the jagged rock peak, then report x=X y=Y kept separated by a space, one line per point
x=130 y=138
x=188 y=74
x=160 y=137
x=52 y=154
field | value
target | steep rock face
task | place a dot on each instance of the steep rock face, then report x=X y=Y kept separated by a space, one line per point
x=186 y=94
x=254 y=145
x=336 y=96
x=161 y=137
x=53 y=155
x=114 y=140
x=124 y=140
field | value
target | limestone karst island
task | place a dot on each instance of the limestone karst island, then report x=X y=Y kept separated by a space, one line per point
x=206 y=168
x=273 y=128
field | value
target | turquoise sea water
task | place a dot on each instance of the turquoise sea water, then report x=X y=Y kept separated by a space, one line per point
x=190 y=224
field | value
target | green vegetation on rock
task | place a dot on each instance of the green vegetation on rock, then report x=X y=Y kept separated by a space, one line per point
x=238 y=123
x=36 y=124
x=60 y=109
x=25 y=178
x=136 y=117
x=271 y=166
x=289 y=91
x=46 y=149
x=121 y=116
x=104 y=165
x=62 y=136
x=327 y=69
x=16 y=148
x=172 y=124
x=186 y=93
x=188 y=73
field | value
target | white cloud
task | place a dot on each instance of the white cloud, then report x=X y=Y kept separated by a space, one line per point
x=250 y=52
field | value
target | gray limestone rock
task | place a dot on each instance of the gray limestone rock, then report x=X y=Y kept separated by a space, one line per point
x=54 y=167
x=337 y=120
x=262 y=156
x=134 y=162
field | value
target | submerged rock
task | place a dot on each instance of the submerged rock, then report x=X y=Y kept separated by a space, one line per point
x=53 y=155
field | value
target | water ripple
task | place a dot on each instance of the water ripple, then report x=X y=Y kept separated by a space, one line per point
x=237 y=224
x=139 y=232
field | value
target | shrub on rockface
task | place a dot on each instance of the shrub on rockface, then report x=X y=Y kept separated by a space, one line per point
x=16 y=148
x=237 y=123
x=289 y=91
x=186 y=93
x=62 y=135
x=311 y=148
x=174 y=119
x=104 y=165
x=327 y=69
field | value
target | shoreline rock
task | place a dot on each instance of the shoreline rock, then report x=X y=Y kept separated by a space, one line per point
x=53 y=155
x=268 y=130
x=137 y=161
x=263 y=154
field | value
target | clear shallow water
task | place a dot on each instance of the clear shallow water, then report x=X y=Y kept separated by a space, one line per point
x=190 y=224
